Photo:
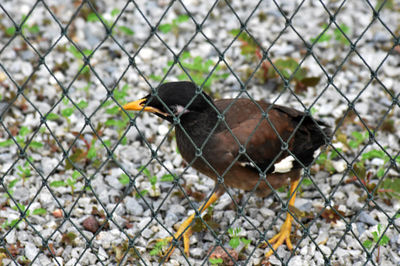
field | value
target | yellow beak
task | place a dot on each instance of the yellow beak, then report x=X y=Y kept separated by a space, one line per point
x=139 y=105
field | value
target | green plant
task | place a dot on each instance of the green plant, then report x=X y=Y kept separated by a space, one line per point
x=84 y=69
x=93 y=17
x=122 y=120
x=197 y=69
x=124 y=179
x=24 y=171
x=216 y=261
x=22 y=139
x=384 y=4
x=235 y=240
x=337 y=33
x=34 y=29
x=379 y=238
x=287 y=68
x=325 y=159
x=71 y=182
x=174 y=26
x=158 y=247
x=22 y=209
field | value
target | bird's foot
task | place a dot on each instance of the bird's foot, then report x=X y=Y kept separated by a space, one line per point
x=184 y=232
x=282 y=236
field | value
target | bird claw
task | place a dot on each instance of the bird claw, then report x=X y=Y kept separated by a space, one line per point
x=184 y=231
x=282 y=236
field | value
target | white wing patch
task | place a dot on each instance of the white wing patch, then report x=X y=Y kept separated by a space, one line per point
x=284 y=165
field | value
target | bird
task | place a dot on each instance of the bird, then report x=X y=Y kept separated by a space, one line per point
x=239 y=143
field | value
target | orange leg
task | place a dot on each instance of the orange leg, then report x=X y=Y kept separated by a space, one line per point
x=284 y=233
x=185 y=230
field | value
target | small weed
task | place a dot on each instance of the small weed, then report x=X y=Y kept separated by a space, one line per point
x=235 y=240
x=84 y=69
x=379 y=239
x=22 y=209
x=93 y=17
x=216 y=261
x=174 y=26
x=71 y=182
x=124 y=179
x=22 y=140
x=34 y=29
x=280 y=69
x=122 y=120
x=158 y=247
x=24 y=171
x=198 y=70
x=337 y=33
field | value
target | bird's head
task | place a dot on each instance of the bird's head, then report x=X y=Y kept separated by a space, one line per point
x=172 y=98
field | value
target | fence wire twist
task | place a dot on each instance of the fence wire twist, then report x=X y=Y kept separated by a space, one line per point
x=83 y=157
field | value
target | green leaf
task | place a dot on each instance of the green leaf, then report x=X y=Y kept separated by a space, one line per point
x=216 y=261
x=373 y=154
x=124 y=179
x=126 y=30
x=380 y=173
x=52 y=116
x=76 y=174
x=155 y=77
x=107 y=142
x=6 y=143
x=306 y=182
x=384 y=240
x=234 y=242
x=322 y=158
x=92 y=17
x=379 y=229
x=39 y=211
x=87 y=52
x=36 y=145
x=153 y=180
x=92 y=152
x=71 y=182
x=75 y=52
x=10 y=31
x=145 y=171
x=34 y=29
x=113 y=110
x=12 y=183
x=82 y=104
x=367 y=244
x=182 y=18
x=375 y=235
x=167 y=178
x=24 y=131
x=115 y=12
x=245 y=241
x=165 y=28
x=60 y=183
x=67 y=112
x=141 y=193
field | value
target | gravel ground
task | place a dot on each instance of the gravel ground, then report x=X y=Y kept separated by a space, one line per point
x=66 y=198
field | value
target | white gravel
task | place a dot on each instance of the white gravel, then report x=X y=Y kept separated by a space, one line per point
x=48 y=182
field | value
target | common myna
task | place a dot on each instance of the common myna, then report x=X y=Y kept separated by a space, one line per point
x=239 y=143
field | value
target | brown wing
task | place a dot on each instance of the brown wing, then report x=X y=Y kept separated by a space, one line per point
x=264 y=139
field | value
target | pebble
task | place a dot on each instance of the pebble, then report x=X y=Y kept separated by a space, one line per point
x=110 y=62
x=366 y=218
x=31 y=251
x=133 y=207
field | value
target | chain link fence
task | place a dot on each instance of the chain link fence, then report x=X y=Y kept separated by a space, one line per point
x=85 y=183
